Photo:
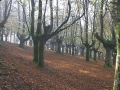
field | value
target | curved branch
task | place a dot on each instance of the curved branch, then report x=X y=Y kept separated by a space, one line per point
x=72 y=22
x=26 y=19
x=105 y=9
x=26 y=23
x=98 y=37
x=66 y=20
x=44 y=14
x=18 y=35
x=51 y=12
x=27 y=38
x=6 y=16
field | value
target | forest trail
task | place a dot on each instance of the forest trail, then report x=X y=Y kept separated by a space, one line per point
x=62 y=71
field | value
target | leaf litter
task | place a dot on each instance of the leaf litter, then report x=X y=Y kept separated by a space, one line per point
x=61 y=72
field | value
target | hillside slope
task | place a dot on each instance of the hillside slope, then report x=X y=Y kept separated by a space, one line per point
x=62 y=72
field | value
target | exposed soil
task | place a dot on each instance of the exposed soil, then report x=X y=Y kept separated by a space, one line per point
x=62 y=71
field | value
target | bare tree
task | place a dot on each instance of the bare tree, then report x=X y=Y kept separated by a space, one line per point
x=109 y=44
x=115 y=8
x=6 y=13
x=21 y=35
x=46 y=32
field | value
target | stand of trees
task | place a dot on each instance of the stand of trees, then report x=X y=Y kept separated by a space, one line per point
x=85 y=28
x=115 y=8
x=45 y=32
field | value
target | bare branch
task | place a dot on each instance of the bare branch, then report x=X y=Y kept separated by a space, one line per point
x=51 y=14
x=66 y=20
x=32 y=18
x=7 y=14
x=72 y=22
x=44 y=14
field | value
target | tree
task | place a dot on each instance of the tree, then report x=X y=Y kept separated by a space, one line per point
x=6 y=33
x=86 y=42
x=108 y=43
x=45 y=32
x=6 y=14
x=115 y=12
x=58 y=40
x=95 y=50
x=96 y=46
x=21 y=35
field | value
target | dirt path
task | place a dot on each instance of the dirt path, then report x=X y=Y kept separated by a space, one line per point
x=62 y=72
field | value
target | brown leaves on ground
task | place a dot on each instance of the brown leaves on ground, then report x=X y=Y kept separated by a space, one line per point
x=62 y=72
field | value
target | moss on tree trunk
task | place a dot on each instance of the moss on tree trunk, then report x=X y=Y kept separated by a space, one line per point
x=117 y=70
x=41 y=54
x=116 y=85
x=35 y=49
x=108 y=62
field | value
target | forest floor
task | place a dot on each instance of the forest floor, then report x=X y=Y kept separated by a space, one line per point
x=61 y=72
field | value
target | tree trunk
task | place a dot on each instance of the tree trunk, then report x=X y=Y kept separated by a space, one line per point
x=73 y=49
x=66 y=49
x=62 y=48
x=99 y=55
x=35 y=49
x=5 y=38
x=95 y=52
x=41 y=54
x=70 y=50
x=2 y=34
x=114 y=53
x=90 y=53
x=108 y=62
x=59 y=43
x=21 y=45
x=14 y=37
x=117 y=70
x=11 y=36
x=59 y=48
x=114 y=60
x=25 y=42
x=87 y=53
x=82 y=51
x=30 y=42
x=102 y=56
x=52 y=46
x=76 y=51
